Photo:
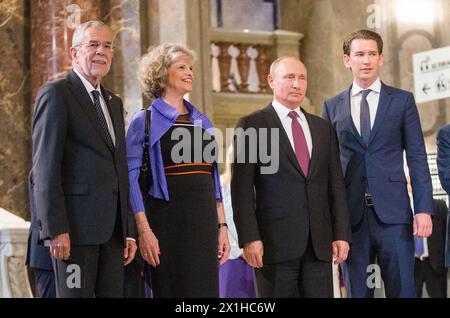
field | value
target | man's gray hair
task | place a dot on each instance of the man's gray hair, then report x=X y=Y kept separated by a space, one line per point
x=78 y=34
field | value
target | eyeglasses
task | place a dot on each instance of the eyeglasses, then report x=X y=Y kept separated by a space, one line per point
x=94 y=45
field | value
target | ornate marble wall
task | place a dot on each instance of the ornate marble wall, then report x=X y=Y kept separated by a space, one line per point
x=123 y=17
x=52 y=23
x=14 y=107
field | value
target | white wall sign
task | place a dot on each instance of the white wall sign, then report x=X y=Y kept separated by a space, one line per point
x=432 y=74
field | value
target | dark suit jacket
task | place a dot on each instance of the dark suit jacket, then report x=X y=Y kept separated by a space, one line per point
x=284 y=208
x=436 y=242
x=443 y=157
x=79 y=183
x=443 y=162
x=38 y=256
x=378 y=167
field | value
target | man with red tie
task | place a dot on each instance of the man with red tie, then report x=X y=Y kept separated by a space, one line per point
x=291 y=221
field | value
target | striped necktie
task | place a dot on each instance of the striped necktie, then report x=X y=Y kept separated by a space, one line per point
x=101 y=117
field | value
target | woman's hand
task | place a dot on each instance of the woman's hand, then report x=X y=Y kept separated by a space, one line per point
x=149 y=247
x=224 y=245
x=148 y=243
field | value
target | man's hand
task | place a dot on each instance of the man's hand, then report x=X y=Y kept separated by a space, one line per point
x=129 y=252
x=423 y=225
x=340 y=251
x=60 y=246
x=253 y=254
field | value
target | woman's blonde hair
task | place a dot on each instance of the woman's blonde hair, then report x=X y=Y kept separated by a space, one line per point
x=154 y=65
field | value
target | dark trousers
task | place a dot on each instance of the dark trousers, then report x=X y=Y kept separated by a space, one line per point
x=134 y=278
x=92 y=270
x=393 y=246
x=435 y=283
x=44 y=283
x=305 y=277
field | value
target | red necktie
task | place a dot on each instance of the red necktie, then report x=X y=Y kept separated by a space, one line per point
x=301 y=147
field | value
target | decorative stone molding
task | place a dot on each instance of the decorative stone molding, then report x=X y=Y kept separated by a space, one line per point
x=13 y=249
x=247 y=47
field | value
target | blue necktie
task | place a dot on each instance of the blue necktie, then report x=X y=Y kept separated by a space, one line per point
x=365 y=116
x=419 y=249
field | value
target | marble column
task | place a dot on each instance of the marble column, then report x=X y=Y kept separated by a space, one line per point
x=15 y=141
x=124 y=20
x=52 y=24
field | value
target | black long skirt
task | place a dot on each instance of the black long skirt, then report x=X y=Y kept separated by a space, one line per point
x=186 y=228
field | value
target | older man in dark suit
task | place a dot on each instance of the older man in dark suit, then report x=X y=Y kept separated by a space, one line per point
x=290 y=212
x=79 y=174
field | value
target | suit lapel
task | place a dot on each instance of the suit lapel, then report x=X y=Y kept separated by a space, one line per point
x=383 y=103
x=85 y=102
x=114 y=113
x=346 y=106
x=273 y=121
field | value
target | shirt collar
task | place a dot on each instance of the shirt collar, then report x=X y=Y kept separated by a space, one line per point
x=87 y=84
x=375 y=87
x=170 y=113
x=284 y=111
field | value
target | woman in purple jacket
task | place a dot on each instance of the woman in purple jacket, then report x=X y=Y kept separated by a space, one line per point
x=181 y=221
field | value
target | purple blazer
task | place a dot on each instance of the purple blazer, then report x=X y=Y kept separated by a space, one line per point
x=163 y=116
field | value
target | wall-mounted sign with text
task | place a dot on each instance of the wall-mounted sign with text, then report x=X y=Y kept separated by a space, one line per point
x=432 y=74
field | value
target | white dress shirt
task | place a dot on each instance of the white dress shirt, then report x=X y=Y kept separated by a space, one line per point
x=283 y=114
x=372 y=99
x=235 y=251
x=89 y=89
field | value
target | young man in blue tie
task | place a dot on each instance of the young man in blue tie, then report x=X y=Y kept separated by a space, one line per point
x=375 y=123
